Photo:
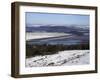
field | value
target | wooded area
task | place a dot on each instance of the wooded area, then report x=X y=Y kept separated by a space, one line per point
x=47 y=49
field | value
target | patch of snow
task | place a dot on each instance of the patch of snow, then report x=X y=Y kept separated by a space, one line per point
x=62 y=58
x=38 y=35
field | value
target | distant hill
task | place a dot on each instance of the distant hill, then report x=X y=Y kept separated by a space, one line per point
x=55 y=28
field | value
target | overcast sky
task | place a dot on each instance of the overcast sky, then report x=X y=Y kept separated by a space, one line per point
x=56 y=19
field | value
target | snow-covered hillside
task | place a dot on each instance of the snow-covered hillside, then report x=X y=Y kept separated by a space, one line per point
x=62 y=58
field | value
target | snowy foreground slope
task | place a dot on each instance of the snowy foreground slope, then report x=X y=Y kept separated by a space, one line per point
x=62 y=58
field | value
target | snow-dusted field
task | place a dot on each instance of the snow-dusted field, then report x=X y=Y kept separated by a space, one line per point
x=38 y=35
x=62 y=58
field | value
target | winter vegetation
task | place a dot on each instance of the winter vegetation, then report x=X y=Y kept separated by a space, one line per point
x=47 y=49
